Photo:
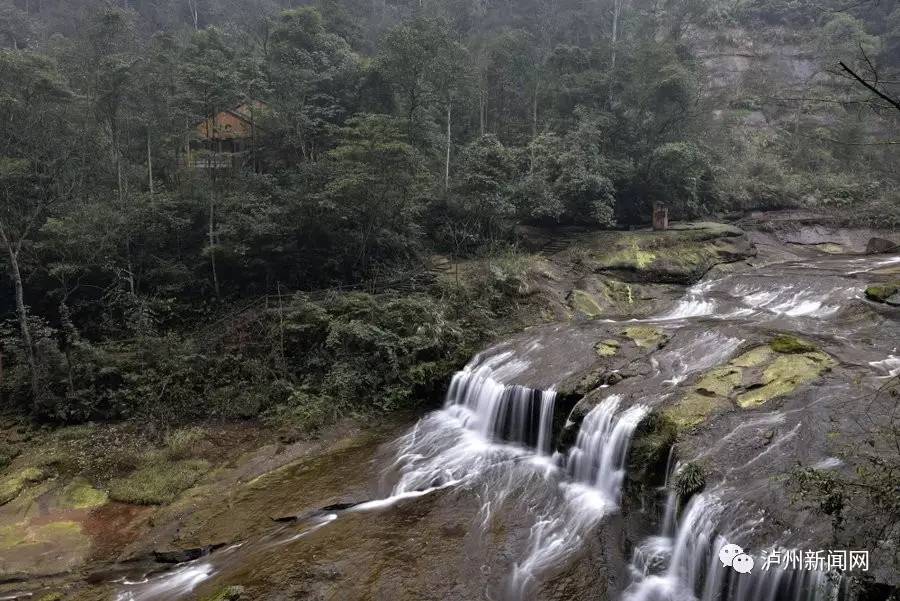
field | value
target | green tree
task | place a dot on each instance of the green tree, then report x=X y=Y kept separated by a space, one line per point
x=309 y=73
x=35 y=171
x=375 y=190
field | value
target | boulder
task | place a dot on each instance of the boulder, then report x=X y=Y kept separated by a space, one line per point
x=876 y=246
x=884 y=293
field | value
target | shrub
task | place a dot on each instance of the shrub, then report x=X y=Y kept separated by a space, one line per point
x=689 y=480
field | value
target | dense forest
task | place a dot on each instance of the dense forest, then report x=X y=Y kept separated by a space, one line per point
x=382 y=133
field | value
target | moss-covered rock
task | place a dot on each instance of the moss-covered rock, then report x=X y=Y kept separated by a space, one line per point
x=607 y=348
x=650 y=446
x=751 y=379
x=880 y=293
x=79 y=494
x=694 y=408
x=583 y=302
x=791 y=344
x=11 y=486
x=753 y=358
x=720 y=381
x=158 y=482
x=646 y=336
x=784 y=375
x=681 y=255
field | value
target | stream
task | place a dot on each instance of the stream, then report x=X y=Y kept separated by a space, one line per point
x=540 y=509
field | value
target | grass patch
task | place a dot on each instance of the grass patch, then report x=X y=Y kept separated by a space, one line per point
x=7 y=454
x=183 y=443
x=158 y=483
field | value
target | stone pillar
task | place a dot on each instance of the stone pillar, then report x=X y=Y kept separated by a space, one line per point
x=660 y=217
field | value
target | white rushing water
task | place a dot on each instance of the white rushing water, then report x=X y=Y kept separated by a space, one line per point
x=485 y=422
x=730 y=298
x=597 y=466
x=687 y=567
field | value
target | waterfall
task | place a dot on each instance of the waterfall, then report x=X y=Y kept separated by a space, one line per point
x=669 y=515
x=694 y=572
x=501 y=411
x=486 y=422
x=598 y=457
x=597 y=465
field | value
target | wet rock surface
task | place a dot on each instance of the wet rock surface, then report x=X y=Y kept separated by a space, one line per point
x=743 y=376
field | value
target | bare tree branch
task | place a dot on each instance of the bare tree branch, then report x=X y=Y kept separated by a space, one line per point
x=892 y=101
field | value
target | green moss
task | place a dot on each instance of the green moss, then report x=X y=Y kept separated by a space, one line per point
x=631 y=257
x=791 y=344
x=645 y=336
x=158 y=482
x=650 y=446
x=607 y=348
x=585 y=303
x=11 y=486
x=695 y=408
x=79 y=494
x=784 y=375
x=52 y=597
x=720 y=381
x=880 y=293
x=10 y=536
x=229 y=593
x=753 y=358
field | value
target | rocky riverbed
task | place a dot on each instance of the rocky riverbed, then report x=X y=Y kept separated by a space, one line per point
x=674 y=389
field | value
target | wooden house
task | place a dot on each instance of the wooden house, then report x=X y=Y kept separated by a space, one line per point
x=227 y=140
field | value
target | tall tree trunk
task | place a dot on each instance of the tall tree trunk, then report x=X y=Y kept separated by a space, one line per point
x=617 y=12
x=481 y=109
x=192 y=6
x=149 y=163
x=70 y=337
x=212 y=241
x=22 y=313
x=447 y=161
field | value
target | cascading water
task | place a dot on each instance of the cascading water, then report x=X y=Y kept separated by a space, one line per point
x=598 y=457
x=512 y=413
x=469 y=435
x=695 y=573
x=597 y=465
